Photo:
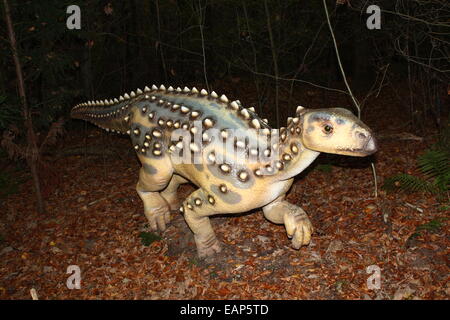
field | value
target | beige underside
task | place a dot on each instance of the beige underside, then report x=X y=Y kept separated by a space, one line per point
x=158 y=193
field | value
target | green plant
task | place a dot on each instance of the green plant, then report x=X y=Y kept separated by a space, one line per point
x=431 y=226
x=325 y=167
x=407 y=182
x=147 y=238
x=434 y=166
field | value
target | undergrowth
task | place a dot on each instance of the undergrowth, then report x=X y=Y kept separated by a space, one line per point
x=434 y=171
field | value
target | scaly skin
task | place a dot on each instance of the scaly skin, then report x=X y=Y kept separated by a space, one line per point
x=179 y=136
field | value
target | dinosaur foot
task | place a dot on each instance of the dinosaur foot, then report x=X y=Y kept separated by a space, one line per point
x=207 y=247
x=158 y=217
x=298 y=226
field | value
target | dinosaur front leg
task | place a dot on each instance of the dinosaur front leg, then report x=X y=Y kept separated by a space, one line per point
x=297 y=224
x=197 y=208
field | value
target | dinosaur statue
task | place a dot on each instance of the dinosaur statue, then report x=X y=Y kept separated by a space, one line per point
x=234 y=158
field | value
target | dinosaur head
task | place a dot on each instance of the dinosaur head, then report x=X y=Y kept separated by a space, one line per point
x=335 y=130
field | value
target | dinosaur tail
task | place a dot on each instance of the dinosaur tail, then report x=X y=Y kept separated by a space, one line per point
x=110 y=115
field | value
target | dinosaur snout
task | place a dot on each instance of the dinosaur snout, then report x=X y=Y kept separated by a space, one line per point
x=371 y=145
x=367 y=141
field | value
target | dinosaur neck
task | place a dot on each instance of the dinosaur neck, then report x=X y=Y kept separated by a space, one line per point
x=293 y=154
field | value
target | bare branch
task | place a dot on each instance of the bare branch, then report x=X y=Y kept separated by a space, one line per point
x=339 y=60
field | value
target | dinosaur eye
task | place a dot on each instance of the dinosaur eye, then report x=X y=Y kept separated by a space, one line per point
x=327 y=129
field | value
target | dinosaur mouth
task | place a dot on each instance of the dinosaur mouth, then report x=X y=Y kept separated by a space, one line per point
x=352 y=150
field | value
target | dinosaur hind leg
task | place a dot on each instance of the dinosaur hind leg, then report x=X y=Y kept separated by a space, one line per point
x=148 y=188
x=170 y=192
x=197 y=208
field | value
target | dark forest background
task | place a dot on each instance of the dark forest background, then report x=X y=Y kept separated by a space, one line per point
x=123 y=45
x=278 y=51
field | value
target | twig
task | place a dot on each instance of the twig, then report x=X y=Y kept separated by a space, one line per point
x=348 y=87
x=163 y=61
x=275 y=61
x=339 y=60
x=374 y=171
x=203 y=44
x=407 y=204
x=255 y=58
x=417 y=19
x=291 y=89
x=32 y=155
x=101 y=199
x=297 y=80
x=33 y=293
x=382 y=80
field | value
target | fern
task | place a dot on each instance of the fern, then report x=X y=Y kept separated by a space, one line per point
x=443 y=142
x=408 y=182
x=431 y=226
x=434 y=165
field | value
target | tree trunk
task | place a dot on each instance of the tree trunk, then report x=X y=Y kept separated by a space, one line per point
x=32 y=154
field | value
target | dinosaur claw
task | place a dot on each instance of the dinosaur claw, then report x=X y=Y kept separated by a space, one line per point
x=298 y=227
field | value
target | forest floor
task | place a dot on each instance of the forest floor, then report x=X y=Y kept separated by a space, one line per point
x=95 y=220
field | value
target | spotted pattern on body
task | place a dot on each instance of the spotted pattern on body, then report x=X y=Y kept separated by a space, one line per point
x=237 y=161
